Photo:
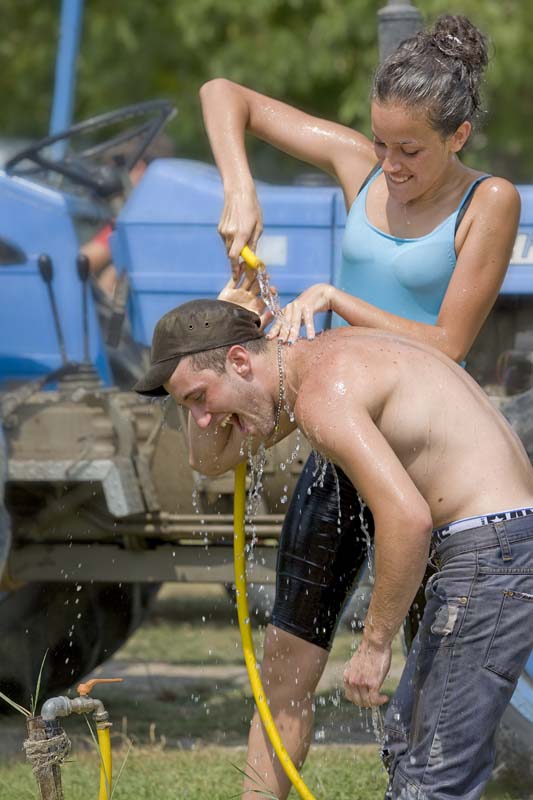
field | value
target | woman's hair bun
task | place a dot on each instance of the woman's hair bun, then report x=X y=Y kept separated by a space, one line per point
x=438 y=69
x=456 y=37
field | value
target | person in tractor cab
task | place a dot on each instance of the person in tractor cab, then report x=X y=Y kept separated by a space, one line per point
x=127 y=357
x=97 y=249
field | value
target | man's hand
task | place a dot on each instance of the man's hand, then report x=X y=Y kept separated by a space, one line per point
x=245 y=291
x=365 y=672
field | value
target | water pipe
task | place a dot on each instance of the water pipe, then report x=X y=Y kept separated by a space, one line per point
x=239 y=547
x=64 y=706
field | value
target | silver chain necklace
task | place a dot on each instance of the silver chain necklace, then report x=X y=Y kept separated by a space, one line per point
x=281 y=390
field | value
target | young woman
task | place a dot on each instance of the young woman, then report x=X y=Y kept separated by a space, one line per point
x=425 y=250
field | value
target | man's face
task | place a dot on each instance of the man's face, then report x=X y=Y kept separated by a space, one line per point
x=234 y=397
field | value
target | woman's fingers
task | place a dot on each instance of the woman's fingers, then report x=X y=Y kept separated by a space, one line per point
x=240 y=223
x=295 y=324
x=294 y=315
x=266 y=317
x=274 y=329
x=309 y=322
x=287 y=326
x=249 y=281
x=256 y=233
x=237 y=243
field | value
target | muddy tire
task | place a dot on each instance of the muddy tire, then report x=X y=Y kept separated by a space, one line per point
x=80 y=628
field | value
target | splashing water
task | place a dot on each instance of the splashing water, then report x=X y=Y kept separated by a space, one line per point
x=256 y=468
x=368 y=539
x=338 y=493
x=256 y=465
x=195 y=499
x=270 y=299
x=319 y=473
x=378 y=724
x=293 y=455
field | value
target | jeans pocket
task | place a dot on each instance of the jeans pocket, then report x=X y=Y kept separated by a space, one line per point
x=512 y=639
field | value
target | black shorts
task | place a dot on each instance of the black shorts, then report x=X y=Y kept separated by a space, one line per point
x=321 y=550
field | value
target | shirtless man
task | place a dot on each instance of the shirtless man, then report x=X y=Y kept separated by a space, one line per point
x=441 y=471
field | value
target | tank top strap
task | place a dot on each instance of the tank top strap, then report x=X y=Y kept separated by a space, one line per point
x=467 y=199
x=370 y=177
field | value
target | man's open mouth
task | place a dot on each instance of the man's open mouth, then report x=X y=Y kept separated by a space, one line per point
x=232 y=419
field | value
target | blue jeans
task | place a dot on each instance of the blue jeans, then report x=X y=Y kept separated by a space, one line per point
x=474 y=640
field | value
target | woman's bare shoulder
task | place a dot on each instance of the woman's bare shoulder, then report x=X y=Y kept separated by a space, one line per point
x=499 y=193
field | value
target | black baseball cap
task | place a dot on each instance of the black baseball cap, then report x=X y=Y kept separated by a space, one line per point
x=192 y=328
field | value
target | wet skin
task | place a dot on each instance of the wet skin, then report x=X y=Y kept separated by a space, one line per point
x=437 y=181
x=410 y=428
x=409 y=148
x=349 y=385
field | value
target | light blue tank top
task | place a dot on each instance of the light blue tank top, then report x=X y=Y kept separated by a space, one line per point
x=407 y=277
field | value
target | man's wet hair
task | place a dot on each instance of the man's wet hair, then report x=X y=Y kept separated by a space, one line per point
x=438 y=70
x=216 y=359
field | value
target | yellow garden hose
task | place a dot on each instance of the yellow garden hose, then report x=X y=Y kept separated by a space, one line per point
x=103 y=731
x=239 y=545
x=106 y=765
x=251 y=259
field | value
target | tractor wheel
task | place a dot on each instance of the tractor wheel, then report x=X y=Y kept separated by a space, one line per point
x=77 y=625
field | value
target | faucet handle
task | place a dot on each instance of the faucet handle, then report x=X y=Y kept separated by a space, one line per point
x=85 y=688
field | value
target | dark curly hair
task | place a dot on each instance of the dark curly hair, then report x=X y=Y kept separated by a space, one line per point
x=439 y=70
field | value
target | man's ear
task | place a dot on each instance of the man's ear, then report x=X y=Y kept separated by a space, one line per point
x=238 y=359
x=460 y=137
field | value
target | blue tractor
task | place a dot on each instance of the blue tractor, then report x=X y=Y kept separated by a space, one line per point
x=98 y=505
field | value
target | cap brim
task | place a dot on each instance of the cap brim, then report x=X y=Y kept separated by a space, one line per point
x=152 y=383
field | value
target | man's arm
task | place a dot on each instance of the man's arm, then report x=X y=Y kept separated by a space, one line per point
x=403 y=524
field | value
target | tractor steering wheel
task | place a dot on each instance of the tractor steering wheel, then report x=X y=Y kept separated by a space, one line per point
x=93 y=165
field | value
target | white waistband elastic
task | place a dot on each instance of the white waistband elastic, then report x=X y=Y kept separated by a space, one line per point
x=476 y=522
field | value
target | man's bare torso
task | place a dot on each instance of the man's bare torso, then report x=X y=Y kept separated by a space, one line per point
x=456 y=447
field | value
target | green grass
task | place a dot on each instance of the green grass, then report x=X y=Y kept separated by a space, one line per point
x=335 y=774
x=189 y=736
x=331 y=773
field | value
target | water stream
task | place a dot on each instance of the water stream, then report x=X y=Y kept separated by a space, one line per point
x=269 y=298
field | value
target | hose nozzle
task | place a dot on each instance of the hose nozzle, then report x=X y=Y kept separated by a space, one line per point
x=251 y=259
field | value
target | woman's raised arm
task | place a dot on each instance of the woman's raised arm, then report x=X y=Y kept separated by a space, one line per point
x=230 y=110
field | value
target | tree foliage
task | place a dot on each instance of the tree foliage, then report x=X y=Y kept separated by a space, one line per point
x=317 y=54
